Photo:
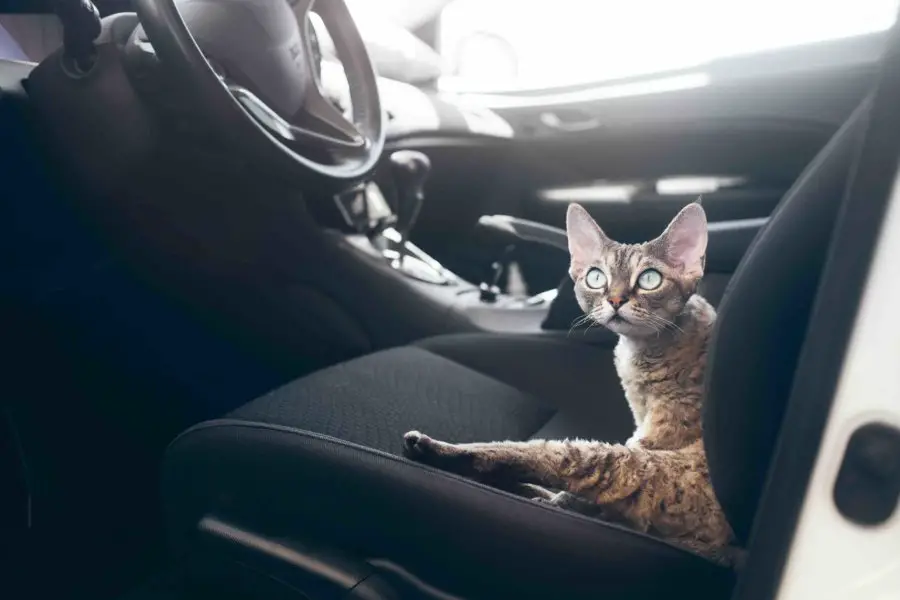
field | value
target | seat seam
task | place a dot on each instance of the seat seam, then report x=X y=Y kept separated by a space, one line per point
x=549 y=339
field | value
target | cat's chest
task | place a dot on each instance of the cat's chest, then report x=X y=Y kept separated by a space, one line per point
x=633 y=364
x=633 y=380
x=625 y=364
x=645 y=375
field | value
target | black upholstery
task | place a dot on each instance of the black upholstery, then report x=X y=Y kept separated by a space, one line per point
x=577 y=380
x=761 y=325
x=317 y=460
x=440 y=386
x=374 y=400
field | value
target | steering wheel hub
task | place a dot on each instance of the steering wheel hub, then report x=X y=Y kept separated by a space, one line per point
x=256 y=44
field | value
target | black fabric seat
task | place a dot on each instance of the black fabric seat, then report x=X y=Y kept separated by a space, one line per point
x=317 y=461
x=374 y=400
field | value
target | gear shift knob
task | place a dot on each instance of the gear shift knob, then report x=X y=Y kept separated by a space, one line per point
x=409 y=169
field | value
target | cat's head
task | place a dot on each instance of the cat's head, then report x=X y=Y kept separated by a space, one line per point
x=636 y=290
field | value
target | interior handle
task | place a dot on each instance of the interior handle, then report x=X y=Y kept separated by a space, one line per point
x=516 y=230
x=728 y=240
x=578 y=121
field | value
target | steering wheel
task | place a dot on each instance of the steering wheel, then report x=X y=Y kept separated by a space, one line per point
x=253 y=67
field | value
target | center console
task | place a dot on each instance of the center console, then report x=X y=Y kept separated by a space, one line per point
x=382 y=233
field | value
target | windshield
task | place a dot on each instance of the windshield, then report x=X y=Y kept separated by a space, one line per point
x=516 y=45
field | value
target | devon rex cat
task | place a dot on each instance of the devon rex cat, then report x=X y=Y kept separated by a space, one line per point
x=658 y=481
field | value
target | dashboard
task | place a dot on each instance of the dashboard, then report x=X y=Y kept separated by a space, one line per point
x=412 y=111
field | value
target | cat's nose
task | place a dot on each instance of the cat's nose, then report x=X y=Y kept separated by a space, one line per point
x=617 y=301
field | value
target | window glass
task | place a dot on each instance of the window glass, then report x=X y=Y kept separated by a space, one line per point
x=493 y=45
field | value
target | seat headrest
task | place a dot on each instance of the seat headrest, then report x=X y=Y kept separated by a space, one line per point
x=762 y=323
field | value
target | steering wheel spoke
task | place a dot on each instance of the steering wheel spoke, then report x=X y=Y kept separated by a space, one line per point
x=325 y=119
x=326 y=127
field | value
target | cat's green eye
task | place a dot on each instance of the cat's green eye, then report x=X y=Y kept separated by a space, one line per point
x=649 y=279
x=595 y=279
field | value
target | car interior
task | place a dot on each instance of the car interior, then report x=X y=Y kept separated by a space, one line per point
x=232 y=281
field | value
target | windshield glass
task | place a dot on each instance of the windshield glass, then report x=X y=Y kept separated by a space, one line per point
x=510 y=45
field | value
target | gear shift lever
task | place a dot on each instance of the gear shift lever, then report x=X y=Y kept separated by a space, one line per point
x=409 y=169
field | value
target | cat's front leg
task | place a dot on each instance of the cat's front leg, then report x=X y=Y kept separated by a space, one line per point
x=507 y=465
x=575 y=466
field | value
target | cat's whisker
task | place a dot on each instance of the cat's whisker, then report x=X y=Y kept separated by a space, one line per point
x=666 y=323
x=579 y=320
x=592 y=321
x=588 y=318
x=575 y=324
x=673 y=325
x=657 y=324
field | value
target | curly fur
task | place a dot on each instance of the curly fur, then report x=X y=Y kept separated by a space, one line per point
x=658 y=481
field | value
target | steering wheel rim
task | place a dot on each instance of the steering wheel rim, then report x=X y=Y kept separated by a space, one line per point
x=259 y=129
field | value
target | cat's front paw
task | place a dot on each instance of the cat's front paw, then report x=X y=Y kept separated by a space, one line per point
x=450 y=457
x=417 y=445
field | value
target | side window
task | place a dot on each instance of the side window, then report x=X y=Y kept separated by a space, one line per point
x=9 y=46
x=510 y=45
x=29 y=37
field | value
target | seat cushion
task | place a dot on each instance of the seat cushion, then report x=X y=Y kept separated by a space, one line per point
x=316 y=462
x=374 y=400
x=578 y=380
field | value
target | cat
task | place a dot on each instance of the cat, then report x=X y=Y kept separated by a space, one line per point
x=657 y=481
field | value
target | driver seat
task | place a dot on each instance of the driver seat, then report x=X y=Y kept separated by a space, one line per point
x=303 y=493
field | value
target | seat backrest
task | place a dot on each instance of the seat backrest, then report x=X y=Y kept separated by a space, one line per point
x=762 y=322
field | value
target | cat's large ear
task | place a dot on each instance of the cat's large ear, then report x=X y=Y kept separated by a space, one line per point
x=586 y=239
x=683 y=243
